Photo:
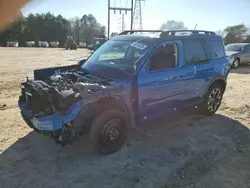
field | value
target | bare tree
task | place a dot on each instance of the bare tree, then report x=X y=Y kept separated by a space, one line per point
x=173 y=24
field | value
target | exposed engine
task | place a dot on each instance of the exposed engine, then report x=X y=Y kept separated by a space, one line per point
x=60 y=92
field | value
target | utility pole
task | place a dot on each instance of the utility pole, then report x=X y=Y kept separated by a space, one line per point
x=132 y=14
x=120 y=9
x=108 y=18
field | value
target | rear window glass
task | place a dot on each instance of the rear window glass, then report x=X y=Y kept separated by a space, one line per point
x=214 y=49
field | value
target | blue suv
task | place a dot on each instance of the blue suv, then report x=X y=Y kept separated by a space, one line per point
x=136 y=77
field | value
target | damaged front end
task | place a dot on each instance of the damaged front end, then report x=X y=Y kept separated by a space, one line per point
x=50 y=107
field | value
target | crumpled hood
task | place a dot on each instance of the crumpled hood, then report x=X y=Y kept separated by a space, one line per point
x=229 y=53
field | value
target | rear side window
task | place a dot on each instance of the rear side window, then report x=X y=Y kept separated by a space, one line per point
x=247 y=48
x=194 y=52
x=214 y=49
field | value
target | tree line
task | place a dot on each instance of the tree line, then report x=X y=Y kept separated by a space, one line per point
x=231 y=34
x=48 y=27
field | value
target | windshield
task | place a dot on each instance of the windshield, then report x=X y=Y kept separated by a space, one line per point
x=122 y=55
x=234 y=47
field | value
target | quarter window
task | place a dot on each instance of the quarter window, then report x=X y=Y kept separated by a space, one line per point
x=194 y=52
x=247 y=48
x=214 y=49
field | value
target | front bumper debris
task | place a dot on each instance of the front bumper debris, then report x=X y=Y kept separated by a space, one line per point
x=54 y=125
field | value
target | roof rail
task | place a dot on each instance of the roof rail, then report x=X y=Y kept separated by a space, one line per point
x=173 y=32
x=128 y=32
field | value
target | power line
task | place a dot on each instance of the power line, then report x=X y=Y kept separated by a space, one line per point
x=121 y=10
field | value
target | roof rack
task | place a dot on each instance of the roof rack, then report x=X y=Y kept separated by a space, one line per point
x=129 y=32
x=173 y=32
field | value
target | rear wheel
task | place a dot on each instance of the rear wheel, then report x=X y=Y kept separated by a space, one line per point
x=108 y=131
x=212 y=99
x=236 y=64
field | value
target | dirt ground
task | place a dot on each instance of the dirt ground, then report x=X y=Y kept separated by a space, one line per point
x=185 y=151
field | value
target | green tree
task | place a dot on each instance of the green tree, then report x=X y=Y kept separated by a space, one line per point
x=90 y=28
x=48 y=27
x=237 y=33
x=248 y=39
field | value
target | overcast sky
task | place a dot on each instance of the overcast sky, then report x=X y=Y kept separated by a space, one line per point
x=208 y=14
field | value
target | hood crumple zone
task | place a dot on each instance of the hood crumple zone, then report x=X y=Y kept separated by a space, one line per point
x=61 y=90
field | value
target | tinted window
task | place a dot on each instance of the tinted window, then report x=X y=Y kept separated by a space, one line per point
x=234 y=47
x=210 y=53
x=194 y=52
x=163 y=58
x=116 y=54
x=247 y=48
x=214 y=49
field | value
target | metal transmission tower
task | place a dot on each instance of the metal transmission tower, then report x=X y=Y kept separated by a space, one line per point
x=121 y=11
x=121 y=23
x=122 y=15
x=137 y=15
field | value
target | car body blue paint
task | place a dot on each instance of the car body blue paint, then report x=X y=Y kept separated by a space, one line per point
x=161 y=91
x=147 y=95
x=56 y=120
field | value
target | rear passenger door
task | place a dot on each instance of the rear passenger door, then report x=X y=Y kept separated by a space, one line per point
x=195 y=55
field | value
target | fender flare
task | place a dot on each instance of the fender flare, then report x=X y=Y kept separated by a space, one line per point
x=95 y=108
x=218 y=78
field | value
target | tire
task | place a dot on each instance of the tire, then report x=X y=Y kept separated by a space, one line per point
x=214 y=95
x=236 y=64
x=108 y=131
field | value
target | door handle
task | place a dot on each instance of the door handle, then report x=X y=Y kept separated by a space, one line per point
x=210 y=69
x=169 y=78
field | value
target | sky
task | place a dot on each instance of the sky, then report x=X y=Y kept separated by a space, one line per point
x=208 y=14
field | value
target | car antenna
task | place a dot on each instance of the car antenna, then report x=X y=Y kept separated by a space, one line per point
x=195 y=26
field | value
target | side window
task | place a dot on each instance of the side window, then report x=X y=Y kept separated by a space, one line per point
x=210 y=52
x=247 y=48
x=194 y=52
x=164 y=57
x=215 y=49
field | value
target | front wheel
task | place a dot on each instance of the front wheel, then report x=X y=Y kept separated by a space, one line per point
x=108 y=131
x=236 y=64
x=212 y=99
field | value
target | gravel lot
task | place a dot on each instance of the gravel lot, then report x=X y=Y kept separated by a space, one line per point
x=187 y=151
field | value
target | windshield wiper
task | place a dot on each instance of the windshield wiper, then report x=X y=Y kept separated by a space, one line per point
x=82 y=70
